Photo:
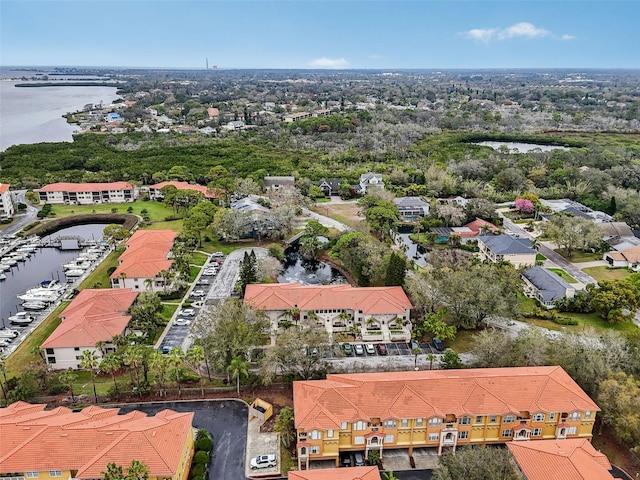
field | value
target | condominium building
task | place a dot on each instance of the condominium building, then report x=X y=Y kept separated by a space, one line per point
x=66 y=444
x=436 y=409
x=88 y=193
x=505 y=248
x=6 y=204
x=156 y=194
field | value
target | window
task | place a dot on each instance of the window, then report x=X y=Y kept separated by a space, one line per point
x=389 y=438
x=358 y=440
x=537 y=432
x=405 y=422
x=390 y=424
x=315 y=435
x=314 y=449
x=587 y=414
x=51 y=359
x=479 y=419
x=538 y=417
x=552 y=416
x=76 y=349
x=435 y=421
x=465 y=421
x=463 y=435
x=493 y=419
x=49 y=351
x=344 y=425
x=359 y=425
x=574 y=416
x=330 y=433
x=55 y=473
x=419 y=422
x=434 y=436
x=571 y=430
x=33 y=474
x=508 y=419
x=507 y=433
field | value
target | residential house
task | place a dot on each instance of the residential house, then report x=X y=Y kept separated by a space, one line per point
x=618 y=234
x=411 y=209
x=370 y=179
x=629 y=258
x=297 y=116
x=466 y=232
x=113 y=118
x=381 y=313
x=276 y=183
x=63 y=443
x=147 y=255
x=213 y=112
x=546 y=286
x=250 y=204
x=436 y=409
x=93 y=316
x=87 y=193
x=577 y=209
x=330 y=186
x=234 y=125
x=505 y=248
x=574 y=459
x=6 y=203
x=354 y=473
x=156 y=194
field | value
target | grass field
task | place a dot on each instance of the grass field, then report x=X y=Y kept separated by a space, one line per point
x=564 y=275
x=463 y=341
x=99 y=278
x=156 y=210
x=606 y=273
x=199 y=258
x=578 y=257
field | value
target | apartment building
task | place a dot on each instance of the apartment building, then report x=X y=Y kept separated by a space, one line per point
x=353 y=473
x=65 y=444
x=147 y=255
x=437 y=409
x=156 y=194
x=95 y=315
x=505 y=248
x=6 y=204
x=87 y=193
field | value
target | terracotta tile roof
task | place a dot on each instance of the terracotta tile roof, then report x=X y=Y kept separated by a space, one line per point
x=87 y=440
x=93 y=316
x=569 y=459
x=146 y=254
x=206 y=191
x=4 y=187
x=85 y=187
x=353 y=473
x=284 y=296
x=324 y=404
x=631 y=255
x=478 y=223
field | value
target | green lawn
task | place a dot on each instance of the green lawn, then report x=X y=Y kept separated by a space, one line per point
x=585 y=321
x=606 y=273
x=564 y=275
x=156 y=210
x=540 y=257
x=175 y=225
x=577 y=257
x=168 y=310
x=193 y=273
x=463 y=341
x=199 y=258
x=99 y=278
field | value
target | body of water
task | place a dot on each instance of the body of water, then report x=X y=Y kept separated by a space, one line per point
x=518 y=147
x=412 y=250
x=44 y=264
x=34 y=115
x=308 y=272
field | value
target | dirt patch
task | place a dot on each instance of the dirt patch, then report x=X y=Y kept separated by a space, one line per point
x=616 y=453
x=348 y=213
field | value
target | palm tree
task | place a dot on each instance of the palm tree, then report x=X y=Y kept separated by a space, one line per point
x=114 y=472
x=160 y=364
x=148 y=283
x=238 y=367
x=432 y=357
x=293 y=313
x=416 y=351
x=110 y=364
x=284 y=426
x=89 y=361
x=100 y=345
x=389 y=476
x=132 y=359
x=67 y=378
x=344 y=317
x=3 y=370
x=312 y=316
x=176 y=359
x=137 y=471
x=195 y=359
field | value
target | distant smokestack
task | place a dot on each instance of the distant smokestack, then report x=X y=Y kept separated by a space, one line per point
x=207 y=63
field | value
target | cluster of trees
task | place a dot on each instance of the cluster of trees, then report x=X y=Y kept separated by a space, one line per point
x=572 y=233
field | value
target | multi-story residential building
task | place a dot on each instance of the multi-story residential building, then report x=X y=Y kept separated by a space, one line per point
x=146 y=257
x=93 y=316
x=411 y=209
x=545 y=286
x=88 y=193
x=560 y=460
x=437 y=409
x=381 y=313
x=276 y=183
x=6 y=204
x=65 y=444
x=505 y=248
x=354 y=473
x=370 y=179
x=156 y=194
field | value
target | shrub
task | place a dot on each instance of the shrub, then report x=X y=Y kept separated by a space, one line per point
x=565 y=321
x=110 y=270
x=204 y=444
x=200 y=457
x=198 y=470
x=57 y=389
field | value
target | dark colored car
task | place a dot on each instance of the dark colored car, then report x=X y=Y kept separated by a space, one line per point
x=347 y=348
x=382 y=348
x=413 y=343
x=438 y=344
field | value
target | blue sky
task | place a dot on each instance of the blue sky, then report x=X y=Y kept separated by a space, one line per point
x=322 y=34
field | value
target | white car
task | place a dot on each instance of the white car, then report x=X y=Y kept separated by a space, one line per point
x=181 y=322
x=263 y=461
x=187 y=312
x=198 y=293
x=370 y=348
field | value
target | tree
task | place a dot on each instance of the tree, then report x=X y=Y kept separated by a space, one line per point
x=113 y=472
x=176 y=359
x=396 y=270
x=389 y=476
x=195 y=359
x=248 y=270
x=619 y=397
x=432 y=357
x=159 y=363
x=613 y=297
x=573 y=233
x=110 y=364
x=3 y=380
x=232 y=225
x=115 y=233
x=237 y=368
x=476 y=463
x=137 y=471
x=437 y=327
x=450 y=360
x=451 y=215
x=285 y=426
x=310 y=244
x=67 y=378
x=415 y=351
x=89 y=361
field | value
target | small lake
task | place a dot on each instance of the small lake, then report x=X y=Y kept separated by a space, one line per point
x=308 y=272
x=518 y=147
x=413 y=252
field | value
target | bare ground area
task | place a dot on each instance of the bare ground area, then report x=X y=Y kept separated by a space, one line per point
x=347 y=213
x=616 y=453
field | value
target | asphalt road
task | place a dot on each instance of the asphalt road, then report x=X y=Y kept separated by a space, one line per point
x=226 y=420
x=225 y=280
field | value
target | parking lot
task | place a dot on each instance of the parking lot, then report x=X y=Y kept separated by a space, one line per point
x=392 y=349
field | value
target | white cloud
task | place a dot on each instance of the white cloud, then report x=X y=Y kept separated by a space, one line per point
x=325 y=62
x=567 y=37
x=517 y=30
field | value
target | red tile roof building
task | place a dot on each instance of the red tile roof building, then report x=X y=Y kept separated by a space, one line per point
x=437 y=409
x=93 y=316
x=88 y=193
x=147 y=254
x=353 y=473
x=6 y=204
x=384 y=310
x=570 y=459
x=155 y=193
x=67 y=444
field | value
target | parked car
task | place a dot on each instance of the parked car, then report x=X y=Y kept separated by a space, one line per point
x=187 y=312
x=203 y=281
x=359 y=459
x=263 y=461
x=413 y=343
x=165 y=349
x=359 y=349
x=370 y=349
x=198 y=293
x=438 y=344
x=181 y=322
x=217 y=255
x=382 y=348
x=346 y=460
x=347 y=348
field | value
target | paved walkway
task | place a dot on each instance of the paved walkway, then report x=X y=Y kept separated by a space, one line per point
x=326 y=221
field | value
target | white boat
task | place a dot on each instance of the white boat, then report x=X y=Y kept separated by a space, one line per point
x=19 y=256
x=50 y=286
x=4 y=267
x=2 y=276
x=40 y=296
x=88 y=256
x=77 y=272
x=76 y=265
x=34 y=305
x=21 y=318
x=26 y=249
x=9 y=261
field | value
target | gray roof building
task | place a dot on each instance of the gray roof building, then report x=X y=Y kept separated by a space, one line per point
x=506 y=244
x=546 y=286
x=279 y=182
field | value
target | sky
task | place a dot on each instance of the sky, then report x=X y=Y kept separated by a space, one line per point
x=336 y=34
